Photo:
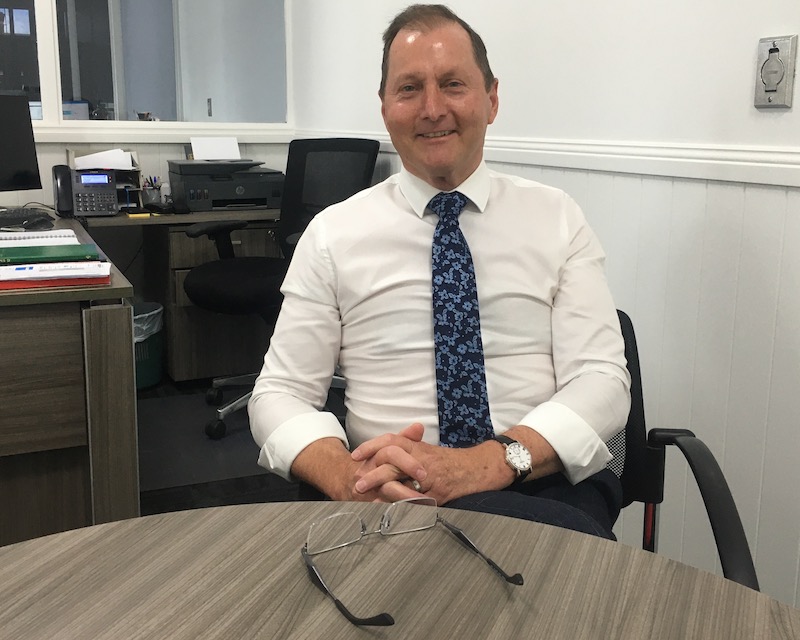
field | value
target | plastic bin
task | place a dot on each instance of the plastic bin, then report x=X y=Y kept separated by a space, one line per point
x=148 y=343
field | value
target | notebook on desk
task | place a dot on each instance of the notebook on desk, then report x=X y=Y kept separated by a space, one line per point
x=56 y=259
x=37 y=238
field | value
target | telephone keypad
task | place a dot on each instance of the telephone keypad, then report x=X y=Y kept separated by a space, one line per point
x=88 y=202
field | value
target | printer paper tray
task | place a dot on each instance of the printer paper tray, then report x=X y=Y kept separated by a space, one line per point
x=232 y=205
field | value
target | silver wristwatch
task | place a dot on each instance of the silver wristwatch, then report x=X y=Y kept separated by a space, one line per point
x=517 y=457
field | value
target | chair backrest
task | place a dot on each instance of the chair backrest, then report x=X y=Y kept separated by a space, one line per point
x=321 y=172
x=629 y=446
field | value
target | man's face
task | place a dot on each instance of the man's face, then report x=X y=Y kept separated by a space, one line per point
x=435 y=104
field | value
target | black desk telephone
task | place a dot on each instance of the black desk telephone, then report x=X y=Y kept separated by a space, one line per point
x=84 y=192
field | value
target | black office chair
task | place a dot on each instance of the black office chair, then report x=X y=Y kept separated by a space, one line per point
x=319 y=172
x=643 y=458
x=639 y=462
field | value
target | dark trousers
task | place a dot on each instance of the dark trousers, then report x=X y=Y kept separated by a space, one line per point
x=591 y=506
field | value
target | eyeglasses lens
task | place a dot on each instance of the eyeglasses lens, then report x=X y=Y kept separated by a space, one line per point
x=333 y=532
x=409 y=515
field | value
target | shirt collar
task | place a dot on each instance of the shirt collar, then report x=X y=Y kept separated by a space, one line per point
x=418 y=193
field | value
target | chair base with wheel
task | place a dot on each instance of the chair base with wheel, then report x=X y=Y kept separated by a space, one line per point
x=216 y=428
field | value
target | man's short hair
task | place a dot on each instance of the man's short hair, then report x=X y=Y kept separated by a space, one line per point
x=426 y=17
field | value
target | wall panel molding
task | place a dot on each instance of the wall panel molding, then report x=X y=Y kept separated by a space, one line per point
x=780 y=166
x=749 y=165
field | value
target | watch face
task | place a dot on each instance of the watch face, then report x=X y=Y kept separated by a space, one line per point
x=518 y=456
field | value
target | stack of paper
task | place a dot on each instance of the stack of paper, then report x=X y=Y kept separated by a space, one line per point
x=37 y=259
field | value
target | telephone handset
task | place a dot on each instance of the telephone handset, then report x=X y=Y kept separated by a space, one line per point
x=87 y=192
x=62 y=190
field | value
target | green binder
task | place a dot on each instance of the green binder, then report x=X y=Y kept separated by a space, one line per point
x=55 y=253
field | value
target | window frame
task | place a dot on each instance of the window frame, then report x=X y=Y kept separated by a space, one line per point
x=53 y=128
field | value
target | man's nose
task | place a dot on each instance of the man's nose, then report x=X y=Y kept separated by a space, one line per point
x=433 y=104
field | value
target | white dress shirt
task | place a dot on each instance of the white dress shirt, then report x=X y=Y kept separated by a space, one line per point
x=358 y=294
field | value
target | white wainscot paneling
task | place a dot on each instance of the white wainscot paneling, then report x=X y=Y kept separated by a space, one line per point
x=710 y=272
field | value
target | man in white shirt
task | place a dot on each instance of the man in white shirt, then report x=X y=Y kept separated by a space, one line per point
x=358 y=295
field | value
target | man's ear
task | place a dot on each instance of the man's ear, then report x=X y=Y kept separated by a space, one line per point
x=494 y=100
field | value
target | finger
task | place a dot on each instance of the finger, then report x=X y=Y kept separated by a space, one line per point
x=376 y=478
x=396 y=490
x=412 y=433
x=391 y=463
x=367 y=449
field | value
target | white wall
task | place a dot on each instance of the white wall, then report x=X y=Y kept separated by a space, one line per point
x=626 y=71
x=660 y=87
x=643 y=111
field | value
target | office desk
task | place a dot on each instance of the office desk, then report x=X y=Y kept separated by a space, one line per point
x=236 y=572
x=199 y=344
x=123 y=220
x=68 y=454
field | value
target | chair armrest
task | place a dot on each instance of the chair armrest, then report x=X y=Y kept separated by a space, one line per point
x=210 y=228
x=220 y=232
x=734 y=552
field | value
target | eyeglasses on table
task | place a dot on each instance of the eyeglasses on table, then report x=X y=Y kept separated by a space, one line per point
x=405 y=516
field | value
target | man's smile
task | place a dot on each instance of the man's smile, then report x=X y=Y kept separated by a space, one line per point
x=437 y=134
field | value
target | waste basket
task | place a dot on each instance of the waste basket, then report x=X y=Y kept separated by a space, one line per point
x=148 y=343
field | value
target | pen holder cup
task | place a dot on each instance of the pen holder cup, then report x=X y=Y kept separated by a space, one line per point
x=150 y=196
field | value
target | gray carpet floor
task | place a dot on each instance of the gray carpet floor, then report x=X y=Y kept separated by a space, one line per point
x=174 y=450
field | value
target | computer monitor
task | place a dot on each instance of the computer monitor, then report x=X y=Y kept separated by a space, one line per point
x=19 y=169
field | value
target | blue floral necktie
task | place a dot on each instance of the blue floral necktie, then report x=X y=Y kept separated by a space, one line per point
x=460 y=371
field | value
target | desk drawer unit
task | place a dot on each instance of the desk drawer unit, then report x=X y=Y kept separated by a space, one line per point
x=43 y=393
x=44 y=457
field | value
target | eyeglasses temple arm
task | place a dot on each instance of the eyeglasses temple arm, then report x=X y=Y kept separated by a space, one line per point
x=381 y=620
x=458 y=533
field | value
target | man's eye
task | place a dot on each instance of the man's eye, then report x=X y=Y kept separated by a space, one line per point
x=407 y=88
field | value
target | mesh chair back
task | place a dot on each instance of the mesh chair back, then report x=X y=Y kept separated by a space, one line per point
x=629 y=446
x=321 y=172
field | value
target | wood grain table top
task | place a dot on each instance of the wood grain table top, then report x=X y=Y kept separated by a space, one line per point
x=236 y=572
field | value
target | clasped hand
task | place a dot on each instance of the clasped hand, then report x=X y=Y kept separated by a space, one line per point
x=390 y=463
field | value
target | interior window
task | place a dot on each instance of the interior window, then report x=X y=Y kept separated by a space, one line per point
x=19 y=66
x=185 y=60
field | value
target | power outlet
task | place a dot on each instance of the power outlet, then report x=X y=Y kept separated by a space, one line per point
x=775 y=72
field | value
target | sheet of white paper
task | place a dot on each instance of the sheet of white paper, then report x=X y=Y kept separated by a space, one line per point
x=37 y=238
x=111 y=159
x=217 y=148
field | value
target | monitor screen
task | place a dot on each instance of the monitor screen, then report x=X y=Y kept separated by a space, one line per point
x=19 y=169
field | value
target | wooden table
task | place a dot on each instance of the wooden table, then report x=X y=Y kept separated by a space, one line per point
x=236 y=572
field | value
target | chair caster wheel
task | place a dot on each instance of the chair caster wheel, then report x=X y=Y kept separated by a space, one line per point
x=215 y=429
x=214 y=396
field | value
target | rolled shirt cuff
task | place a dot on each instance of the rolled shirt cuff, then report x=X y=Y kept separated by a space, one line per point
x=287 y=441
x=577 y=445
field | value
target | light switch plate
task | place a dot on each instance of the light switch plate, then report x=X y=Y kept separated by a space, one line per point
x=775 y=72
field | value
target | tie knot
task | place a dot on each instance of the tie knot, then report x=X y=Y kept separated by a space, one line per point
x=448 y=205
